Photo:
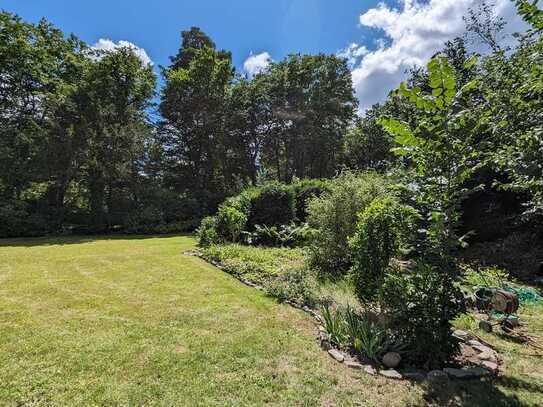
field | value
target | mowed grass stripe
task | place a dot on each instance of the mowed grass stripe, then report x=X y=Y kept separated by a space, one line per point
x=133 y=321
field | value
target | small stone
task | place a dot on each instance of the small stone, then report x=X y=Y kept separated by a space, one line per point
x=325 y=344
x=438 y=376
x=487 y=355
x=492 y=366
x=392 y=359
x=369 y=369
x=473 y=342
x=415 y=376
x=322 y=329
x=353 y=365
x=391 y=374
x=459 y=373
x=337 y=355
x=462 y=335
x=483 y=348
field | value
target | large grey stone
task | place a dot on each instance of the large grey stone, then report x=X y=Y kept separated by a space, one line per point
x=337 y=355
x=392 y=359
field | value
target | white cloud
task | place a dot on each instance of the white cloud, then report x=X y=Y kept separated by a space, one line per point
x=256 y=63
x=353 y=53
x=104 y=44
x=411 y=35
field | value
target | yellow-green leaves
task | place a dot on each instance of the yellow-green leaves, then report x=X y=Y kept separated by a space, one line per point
x=402 y=135
x=442 y=81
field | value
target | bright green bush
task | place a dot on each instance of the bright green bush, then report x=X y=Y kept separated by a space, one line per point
x=382 y=229
x=334 y=215
x=282 y=236
x=230 y=222
x=207 y=232
x=271 y=205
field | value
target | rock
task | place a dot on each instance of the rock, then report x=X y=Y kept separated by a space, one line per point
x=353 y=365
x=337 y=355
x=483 y=348
x=325 y=344
x=491 y=366
x=392 y=359
x=391 y=374
x=369 y=369
x=462 y=335
x=488 y=355
x=474 y=343
x=438 y=376
x=322 y=329
x=478 y=372
x=459 y=373
x=416 y=376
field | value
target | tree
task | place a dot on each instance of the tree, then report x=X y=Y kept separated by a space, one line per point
x=442 y=150
x=194 y=102
x=312 y=101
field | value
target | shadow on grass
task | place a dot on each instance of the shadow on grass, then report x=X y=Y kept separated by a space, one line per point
x=487 y=392
x=69 y=240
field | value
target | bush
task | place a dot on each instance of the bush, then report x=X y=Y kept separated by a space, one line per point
x=304 y=191
x=230 y=222
x=334 y=214
x=382 y=229
x=207 y=232
x=271 y=205
x=282 y=236
x=419 y=308
x=364 y=335
x=295 y=283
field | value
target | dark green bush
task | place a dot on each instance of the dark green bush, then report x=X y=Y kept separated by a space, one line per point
x=304 y=191
x=272 y=205
x=419 y=307
x=382 y=229
x=334 y=215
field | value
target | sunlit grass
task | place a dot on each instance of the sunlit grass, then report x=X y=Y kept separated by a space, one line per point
x=133 y=321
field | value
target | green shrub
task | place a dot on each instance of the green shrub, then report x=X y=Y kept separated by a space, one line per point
x=282 y=236
x=207 y=232
x=334 y=324
x=295 y=283
x=333 y=215
x=382 y=229
x=304 y=191
x=419 y=307
x=230 y=222
x=365 y=336
x=271 y=205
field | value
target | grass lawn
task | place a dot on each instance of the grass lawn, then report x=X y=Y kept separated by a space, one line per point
x=133 y=321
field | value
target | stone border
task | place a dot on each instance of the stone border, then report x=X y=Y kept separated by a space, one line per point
x=487 y=364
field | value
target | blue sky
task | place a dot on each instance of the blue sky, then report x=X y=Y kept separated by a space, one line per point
x=381 y=41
